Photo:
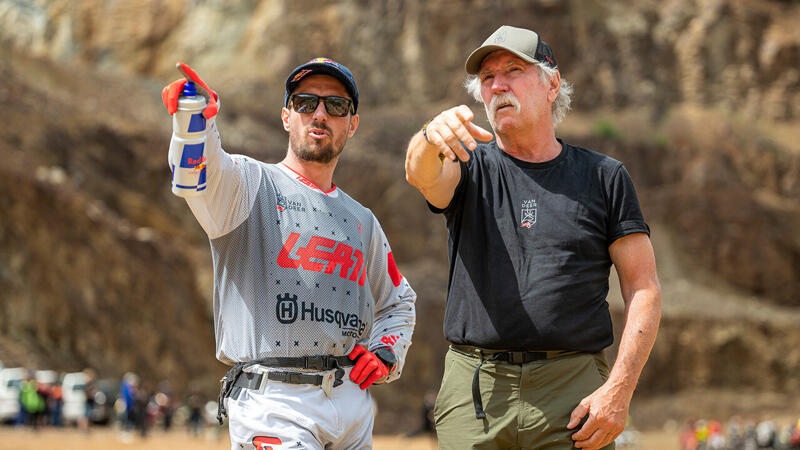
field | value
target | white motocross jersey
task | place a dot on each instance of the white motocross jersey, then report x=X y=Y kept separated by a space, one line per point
x=297 y=271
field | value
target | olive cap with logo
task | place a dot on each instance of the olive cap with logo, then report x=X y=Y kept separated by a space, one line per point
x=524 y=43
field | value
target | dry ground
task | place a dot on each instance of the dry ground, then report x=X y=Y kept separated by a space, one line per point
x=71 y=439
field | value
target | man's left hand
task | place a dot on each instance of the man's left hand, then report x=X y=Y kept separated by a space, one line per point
x=368 y=368
x=607 y=408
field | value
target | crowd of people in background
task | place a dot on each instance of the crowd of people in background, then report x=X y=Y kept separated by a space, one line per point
x=135 y=406
x=138 y=407
x=40 y=403
x=740 y=434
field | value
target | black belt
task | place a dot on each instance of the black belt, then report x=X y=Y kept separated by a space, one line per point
x=324 y=362
x=520 y=357
x=236 y=379
x=253 y=380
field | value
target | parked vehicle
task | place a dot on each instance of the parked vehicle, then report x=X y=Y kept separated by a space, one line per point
x=48 y=377
x=73 y=388
x=10 y=380
x=106 y=392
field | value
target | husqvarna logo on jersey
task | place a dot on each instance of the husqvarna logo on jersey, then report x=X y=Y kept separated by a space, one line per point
x=287 y=312
x=528 y=213
x=286 y=308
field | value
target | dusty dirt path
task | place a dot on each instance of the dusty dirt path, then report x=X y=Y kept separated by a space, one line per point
x=71 y=439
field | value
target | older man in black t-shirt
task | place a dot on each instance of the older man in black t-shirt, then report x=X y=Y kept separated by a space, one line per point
x=534 y=226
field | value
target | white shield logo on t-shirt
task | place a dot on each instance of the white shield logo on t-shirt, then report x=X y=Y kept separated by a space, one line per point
x=528 y=213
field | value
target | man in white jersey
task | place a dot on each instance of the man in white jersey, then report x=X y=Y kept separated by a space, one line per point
x=309 y=307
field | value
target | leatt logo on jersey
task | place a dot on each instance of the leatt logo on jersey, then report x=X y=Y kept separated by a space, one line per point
x=287 y=312
x=312 y=258
x=528 y=213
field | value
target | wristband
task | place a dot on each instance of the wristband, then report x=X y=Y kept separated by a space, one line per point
x=425 y=132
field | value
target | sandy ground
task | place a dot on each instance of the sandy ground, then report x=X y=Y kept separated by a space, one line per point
x=71 y=439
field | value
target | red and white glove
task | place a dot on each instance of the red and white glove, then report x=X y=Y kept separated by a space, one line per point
x=172 y=91
x=368 y=368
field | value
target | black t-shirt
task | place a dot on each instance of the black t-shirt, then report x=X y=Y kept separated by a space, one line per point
x=528 y=244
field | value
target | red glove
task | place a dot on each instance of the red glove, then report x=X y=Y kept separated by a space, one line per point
x=368 y=368
x=172 y=91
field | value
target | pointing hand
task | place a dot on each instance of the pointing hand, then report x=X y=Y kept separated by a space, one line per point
x=451 y=128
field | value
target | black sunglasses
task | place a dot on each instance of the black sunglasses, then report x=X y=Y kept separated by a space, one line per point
x=307 y=104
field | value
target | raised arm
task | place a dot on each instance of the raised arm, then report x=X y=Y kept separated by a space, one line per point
x=231 y=180
x=431 y=164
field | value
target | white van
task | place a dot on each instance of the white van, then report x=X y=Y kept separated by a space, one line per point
x=73 y=389
x=10 y=380
x=48 y=377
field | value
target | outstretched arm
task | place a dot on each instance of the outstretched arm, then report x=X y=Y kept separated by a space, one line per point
x=608 y=405
x=431 y=164
x=232 y=180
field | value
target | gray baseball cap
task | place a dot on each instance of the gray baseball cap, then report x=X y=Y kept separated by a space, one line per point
x=524 y=43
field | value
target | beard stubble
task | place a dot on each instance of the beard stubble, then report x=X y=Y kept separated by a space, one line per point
x=315 y=151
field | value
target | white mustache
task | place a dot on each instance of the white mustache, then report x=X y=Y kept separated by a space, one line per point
x=502 y=99
x=505 y=98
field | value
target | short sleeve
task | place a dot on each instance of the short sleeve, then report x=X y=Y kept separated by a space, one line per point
x=625 y=214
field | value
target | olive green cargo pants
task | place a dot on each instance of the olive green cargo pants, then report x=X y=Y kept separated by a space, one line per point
x=527 y=405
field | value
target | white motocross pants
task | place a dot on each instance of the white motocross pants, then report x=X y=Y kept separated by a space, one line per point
x=301 y=416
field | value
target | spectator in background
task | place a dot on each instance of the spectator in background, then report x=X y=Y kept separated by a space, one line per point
x=688 y=438
x=56 y=401
x=89 y=389
x=701 y=432
x=716 y=439
x=750 y=440
x=141 y=409
x=794 y=437
x=195 y=405
x=32 y=402
x=735 y=433
x=166 y=404
x=766 y=434
x=127 y=393
x=43 y=413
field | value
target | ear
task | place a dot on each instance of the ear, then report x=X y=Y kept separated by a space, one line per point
x=285 y=118
x=555 y=86
x=353 y=126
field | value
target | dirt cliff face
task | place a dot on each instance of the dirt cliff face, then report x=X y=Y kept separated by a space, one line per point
x=738 y=55
x=101 y=266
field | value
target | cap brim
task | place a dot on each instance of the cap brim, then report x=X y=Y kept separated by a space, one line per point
x=473 y=64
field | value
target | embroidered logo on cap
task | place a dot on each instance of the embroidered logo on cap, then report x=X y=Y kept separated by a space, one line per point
x=324 y=61
x=300 y=75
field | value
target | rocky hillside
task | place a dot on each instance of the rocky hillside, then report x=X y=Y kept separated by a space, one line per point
x=101 y=266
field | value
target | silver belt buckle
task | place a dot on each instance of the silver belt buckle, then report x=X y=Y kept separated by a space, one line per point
x=328 y=377
x=263 y=371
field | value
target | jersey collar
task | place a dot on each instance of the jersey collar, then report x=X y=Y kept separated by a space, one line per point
x=333 y=192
